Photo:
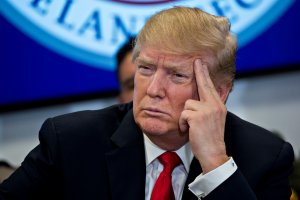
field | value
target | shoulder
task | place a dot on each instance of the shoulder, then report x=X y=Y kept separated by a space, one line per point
x=88 y=117
x=238 y=129
x=86 y=122
x=254 y=147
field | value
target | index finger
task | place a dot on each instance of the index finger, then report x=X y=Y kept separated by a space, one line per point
x=206 y=88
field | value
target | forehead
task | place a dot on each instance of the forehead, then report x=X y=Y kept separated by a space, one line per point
x=155 y=56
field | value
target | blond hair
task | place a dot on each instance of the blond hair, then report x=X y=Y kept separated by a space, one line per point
x=183 y=30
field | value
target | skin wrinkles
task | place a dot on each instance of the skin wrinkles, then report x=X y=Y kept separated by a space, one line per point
x=168 y=108
x=172 y=67
x=159 y=100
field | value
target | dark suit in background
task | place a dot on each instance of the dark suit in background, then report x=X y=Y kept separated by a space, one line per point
x=100 y=155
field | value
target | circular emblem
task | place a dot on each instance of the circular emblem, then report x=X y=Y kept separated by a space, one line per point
x=143 y=2
x=91 y=31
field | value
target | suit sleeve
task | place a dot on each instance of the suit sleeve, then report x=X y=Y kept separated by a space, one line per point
x=38 y=176
x=276 y=183
x=273 y=185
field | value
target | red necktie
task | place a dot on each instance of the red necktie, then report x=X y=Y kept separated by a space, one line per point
x=163 y=189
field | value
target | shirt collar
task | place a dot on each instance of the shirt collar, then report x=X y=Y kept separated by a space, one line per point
x=152 y=151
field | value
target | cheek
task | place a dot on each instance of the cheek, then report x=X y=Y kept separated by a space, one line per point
x=182 y=95
x=135 y=96
x=140 y=85
x=137 y=90
x=186 y=93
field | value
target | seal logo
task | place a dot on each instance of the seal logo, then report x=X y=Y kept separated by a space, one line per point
x=143 y=2
x=91 y=31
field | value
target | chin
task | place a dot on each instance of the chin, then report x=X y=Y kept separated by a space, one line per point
x=155 y=127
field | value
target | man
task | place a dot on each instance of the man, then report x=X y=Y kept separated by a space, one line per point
x=176 y=141
x=125 y=71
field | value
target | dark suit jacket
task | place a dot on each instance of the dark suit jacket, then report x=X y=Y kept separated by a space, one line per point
x=100 y=155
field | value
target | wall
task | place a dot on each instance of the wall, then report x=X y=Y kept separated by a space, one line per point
x=272 y=102
x=269 y=101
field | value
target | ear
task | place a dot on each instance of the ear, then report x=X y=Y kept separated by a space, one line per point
x=223 y=90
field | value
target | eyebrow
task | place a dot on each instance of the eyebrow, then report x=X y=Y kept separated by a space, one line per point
x=176 y=66
x=145 y=61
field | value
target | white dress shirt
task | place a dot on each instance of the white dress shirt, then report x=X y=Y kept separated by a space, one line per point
x=201 y=186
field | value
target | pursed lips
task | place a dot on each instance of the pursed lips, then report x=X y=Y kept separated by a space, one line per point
x=154 y=111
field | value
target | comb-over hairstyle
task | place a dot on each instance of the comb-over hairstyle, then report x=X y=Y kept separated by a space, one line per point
x=183 y=30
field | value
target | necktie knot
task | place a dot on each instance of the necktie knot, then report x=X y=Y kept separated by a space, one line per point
x=169 y=160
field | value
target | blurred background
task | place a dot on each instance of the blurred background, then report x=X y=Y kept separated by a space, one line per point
x=58 y=56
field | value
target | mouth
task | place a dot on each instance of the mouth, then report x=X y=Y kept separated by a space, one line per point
x=154 y=112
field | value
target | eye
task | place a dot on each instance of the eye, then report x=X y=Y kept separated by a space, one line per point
x=179 y=77
x=145 y=70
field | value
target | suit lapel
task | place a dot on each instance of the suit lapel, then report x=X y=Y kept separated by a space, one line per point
x=126 y=164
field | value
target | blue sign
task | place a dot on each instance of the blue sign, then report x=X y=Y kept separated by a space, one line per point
x=52 y=49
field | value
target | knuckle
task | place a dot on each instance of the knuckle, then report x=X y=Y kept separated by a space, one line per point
x=220 y=110
x=188 y=102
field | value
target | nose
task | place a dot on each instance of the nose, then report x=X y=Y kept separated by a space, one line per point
x=157 y=85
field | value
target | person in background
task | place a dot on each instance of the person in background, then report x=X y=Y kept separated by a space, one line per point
x=176 y=140
x=125 y=71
